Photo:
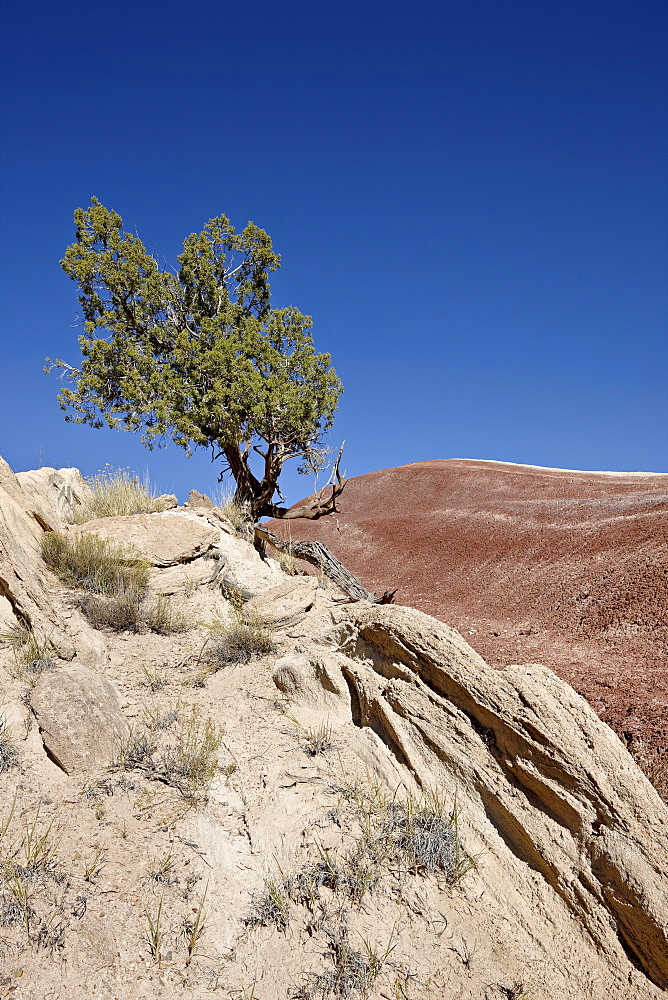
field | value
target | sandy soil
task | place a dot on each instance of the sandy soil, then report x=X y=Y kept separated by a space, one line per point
x=565 y=568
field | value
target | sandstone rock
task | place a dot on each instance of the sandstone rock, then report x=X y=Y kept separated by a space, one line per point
x=168 y=501
x=165 y=539
x=558 y=806
x=245 y=571
x=62 y=492
x=79 y=717
x=286 y=603
x=197 y=499
x=24 y=594
x=315 y=683
x=186 y=576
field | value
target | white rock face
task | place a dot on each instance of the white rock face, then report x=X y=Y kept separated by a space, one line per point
x=62 y=492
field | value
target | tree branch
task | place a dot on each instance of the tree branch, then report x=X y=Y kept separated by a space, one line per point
x=318 y=554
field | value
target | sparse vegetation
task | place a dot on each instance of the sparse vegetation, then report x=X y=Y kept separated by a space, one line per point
x=162 y=870
x=162 y=616
x=118 y=492
x=315 y=740
x=191 y=763
x=271 y=905
x=154 y=679
x=243 y=638
x=237 y=513
x=354 y=972
x=32 y=655
x=116 y=580
x=415 y=835
x=154 y=935
x=9 y=756
x=95 y=866
x=188 y=765
x=194 y=928
x=95 y=564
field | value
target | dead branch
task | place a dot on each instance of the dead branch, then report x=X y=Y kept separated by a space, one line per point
x=321 y=504
x=318 y=554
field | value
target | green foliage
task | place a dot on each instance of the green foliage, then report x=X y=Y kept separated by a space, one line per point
x=197 y=355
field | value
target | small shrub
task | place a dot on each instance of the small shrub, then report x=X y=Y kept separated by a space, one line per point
x=154 y=679
x=32 y=655
x=118 y=492
x=95 y=564
x=162 y=616
x=353 y=974
x=128 y=610
x=191 y=763
x=136 y=751
x=162 y=871
x=270 y=906
x=315 y=741
x=121 y=611
x=9 y=756
x=242 y=639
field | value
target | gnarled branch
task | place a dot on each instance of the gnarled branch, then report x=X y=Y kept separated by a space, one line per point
x=318 y=554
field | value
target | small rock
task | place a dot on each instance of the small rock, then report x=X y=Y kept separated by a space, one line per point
x=197 y=499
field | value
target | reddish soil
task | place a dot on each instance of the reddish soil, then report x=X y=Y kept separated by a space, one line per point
x=569 y=569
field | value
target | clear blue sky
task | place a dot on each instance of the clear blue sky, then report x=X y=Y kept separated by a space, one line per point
x=469 y=199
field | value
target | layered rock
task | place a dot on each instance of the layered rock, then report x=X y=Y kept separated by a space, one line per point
x=559 y=808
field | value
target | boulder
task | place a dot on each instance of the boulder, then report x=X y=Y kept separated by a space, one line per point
x=61 y=492
x=168 y=501
x=24 y=592
x=314 y=683
x=165 y=539
x=287 y=603
x=197 y=499
x=80 y=719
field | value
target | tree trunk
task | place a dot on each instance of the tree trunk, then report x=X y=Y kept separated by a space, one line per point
x=319 y=555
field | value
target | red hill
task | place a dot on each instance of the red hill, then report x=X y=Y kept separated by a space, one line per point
x=569 y=569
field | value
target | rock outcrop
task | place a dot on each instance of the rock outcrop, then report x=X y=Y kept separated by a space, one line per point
x=548 y=787
x=563 y=889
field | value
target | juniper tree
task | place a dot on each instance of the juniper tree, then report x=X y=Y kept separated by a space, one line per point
x=198 y=354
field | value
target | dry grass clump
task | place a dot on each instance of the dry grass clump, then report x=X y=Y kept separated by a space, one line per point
x=129 y=610
x=32 y=655
x=397 y=839
x=29 y=867
x=116 y=581
x=353 y=972
x=116 y=493
x=270 y=906
x=189 y=764
x=238 y=514
x=243 y=638
x=95 y=564
x=9 y=756
x=414 y=835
